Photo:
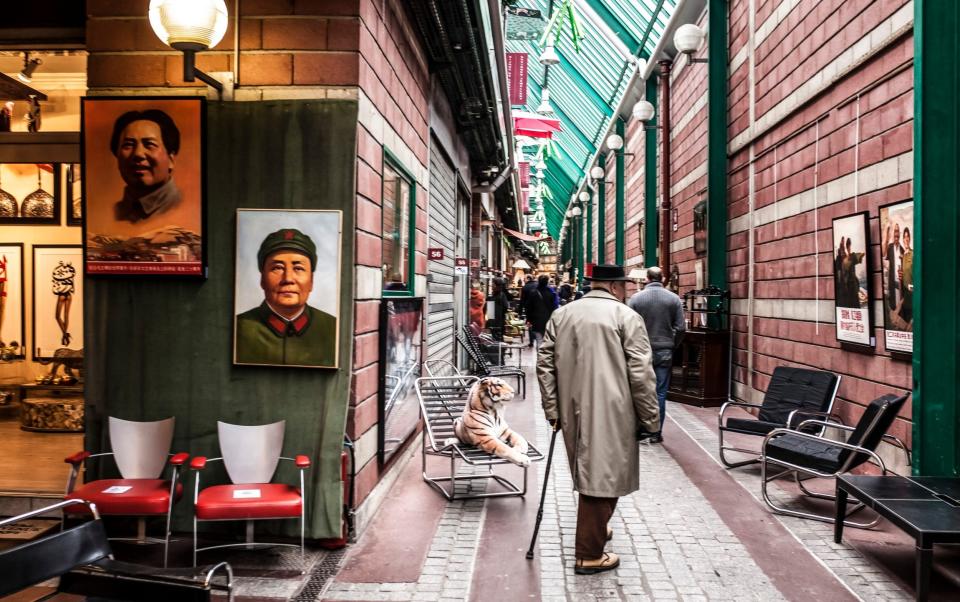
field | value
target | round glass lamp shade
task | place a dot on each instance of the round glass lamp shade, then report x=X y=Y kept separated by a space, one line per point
x=596 y=172
x=584 y=196
x=643 y=110
x=688 y=38
x=576 y=211
x=569 y=212
x=614 y=142
x=189 y=24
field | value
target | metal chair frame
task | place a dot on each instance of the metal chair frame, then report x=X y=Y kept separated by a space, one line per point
x=796 y=470
x=141 y=537
x=790 y=420
x=441 y=402
x=468 y=342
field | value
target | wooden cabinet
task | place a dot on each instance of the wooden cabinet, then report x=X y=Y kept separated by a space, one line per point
x=701 y=368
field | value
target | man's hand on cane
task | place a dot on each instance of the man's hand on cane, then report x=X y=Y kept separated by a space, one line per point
x=554 y=424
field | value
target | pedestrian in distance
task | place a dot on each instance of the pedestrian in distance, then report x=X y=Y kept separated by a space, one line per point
x=662 y=313
x=597 y=385
x=527 y=290
x=541 y=304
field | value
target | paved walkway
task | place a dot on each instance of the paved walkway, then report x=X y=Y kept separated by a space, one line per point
x=694 y=532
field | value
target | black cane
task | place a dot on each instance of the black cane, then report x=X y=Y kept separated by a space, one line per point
x=543 y=496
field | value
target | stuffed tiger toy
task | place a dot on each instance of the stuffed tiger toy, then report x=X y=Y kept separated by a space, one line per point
x=484 y=426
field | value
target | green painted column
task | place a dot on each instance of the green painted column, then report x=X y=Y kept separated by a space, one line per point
x=590 y=229
x=602 y=211
x=936 y=154
x=578 y=224
x=651 y=217
x=621 y=195
x=717 y=145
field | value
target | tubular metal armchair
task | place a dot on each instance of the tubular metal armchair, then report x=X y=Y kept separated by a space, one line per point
x=793 y=395
x=250 y=455
x=483 y=367
x=804 y=454
x=141 y=451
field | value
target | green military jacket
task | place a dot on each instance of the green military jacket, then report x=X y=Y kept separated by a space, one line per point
x=265 y=338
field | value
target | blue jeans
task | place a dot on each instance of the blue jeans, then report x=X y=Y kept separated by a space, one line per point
x=662 y=367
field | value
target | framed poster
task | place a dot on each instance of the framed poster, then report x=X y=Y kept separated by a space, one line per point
x=287 y=288
x=896 y=259
x=57 y=299
x=401 y=351
x=74 y=196
x=143 y=185
x=12 y=331
x=851 y=278
x=30 y=193
x=699 y=228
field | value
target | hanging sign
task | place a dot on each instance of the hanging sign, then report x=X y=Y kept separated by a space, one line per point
x=517 y=77
x=524 y=174
x=460 y=265
x=474 y=263
x=435 y=254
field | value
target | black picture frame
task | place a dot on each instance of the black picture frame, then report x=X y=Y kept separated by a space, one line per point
x=128 y=254
x=5 y=276
x=20 y=196
x=853 y=291
x=398 y=402
x=42 y=303
x=896 y=347
x=73 y=190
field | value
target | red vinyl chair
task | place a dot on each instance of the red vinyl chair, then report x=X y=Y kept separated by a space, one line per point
x=141 y=450
x=250 y=455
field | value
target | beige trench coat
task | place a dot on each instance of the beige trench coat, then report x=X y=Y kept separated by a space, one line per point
x=596 y=375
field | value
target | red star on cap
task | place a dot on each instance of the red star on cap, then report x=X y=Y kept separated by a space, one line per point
x=288 y=235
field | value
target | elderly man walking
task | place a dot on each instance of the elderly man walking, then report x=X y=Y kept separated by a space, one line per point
x=597 y=385
x=662 y=313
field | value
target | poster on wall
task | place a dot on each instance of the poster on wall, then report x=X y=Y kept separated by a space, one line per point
x=287 y=288
x=851 y=278
x=12 y=332
x=57 y=300
x=143 y=185
x=896 y=258
x=400 y=355
x=30 y=193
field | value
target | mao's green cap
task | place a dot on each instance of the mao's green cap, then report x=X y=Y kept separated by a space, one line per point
x=289 y=239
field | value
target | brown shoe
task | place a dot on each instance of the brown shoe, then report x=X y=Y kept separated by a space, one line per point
x=589 y=567
x=609 y=533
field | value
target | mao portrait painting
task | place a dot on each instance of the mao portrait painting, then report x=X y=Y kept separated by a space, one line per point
x=287 y=289
x=143 y=185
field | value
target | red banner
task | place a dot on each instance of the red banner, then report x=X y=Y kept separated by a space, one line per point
x=524 y=174
x=526 y=201
x=517 y=77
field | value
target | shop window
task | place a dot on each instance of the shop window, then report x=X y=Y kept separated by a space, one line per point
x=399 y=228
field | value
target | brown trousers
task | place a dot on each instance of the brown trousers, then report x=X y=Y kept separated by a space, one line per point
x=593 y=514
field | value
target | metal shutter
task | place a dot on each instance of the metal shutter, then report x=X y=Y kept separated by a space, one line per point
x=442 y=212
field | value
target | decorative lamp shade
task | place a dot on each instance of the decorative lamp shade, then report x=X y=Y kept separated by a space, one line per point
x=549 y=55
x=576 y=211
x=688 y=38
x=569 y=214
x=545 y=108
x=643 y=111
x=597 y=172
x=521 y=265
x=584 y=196
x=189 y=24
x=614 y=142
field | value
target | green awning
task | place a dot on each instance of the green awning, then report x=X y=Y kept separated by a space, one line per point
x=587 y=85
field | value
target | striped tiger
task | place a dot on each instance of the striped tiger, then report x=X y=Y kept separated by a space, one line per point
x=484 y=426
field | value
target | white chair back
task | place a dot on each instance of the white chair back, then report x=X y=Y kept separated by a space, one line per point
x=140 y=448
x=251 y=453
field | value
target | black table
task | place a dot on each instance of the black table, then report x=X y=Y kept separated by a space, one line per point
x=926 y=508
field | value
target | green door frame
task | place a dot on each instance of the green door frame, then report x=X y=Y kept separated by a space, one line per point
x=936 y=187
x=717 y=144
x=621 y=194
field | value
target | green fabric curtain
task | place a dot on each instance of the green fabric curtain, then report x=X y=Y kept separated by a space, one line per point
x=158 y=348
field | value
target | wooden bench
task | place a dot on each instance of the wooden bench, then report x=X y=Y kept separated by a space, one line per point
x=442 y=400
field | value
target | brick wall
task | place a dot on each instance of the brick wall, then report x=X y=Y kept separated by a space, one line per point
x=819 y=106
x=394 y=85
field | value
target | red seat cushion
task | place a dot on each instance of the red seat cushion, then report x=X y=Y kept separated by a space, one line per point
x=145 y=496
x=276 y=501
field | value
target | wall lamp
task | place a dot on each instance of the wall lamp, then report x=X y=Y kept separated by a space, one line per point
x=190 y=26
x=688 y=39
x=615 y=143
x=29 y=66
x=643 y=112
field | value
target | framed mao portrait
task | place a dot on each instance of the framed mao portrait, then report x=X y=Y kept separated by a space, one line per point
x=57 y=299
x=287 y=288
x=851 y=279
x=143 y=185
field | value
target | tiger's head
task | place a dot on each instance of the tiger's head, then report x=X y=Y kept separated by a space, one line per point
x=494 y=391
